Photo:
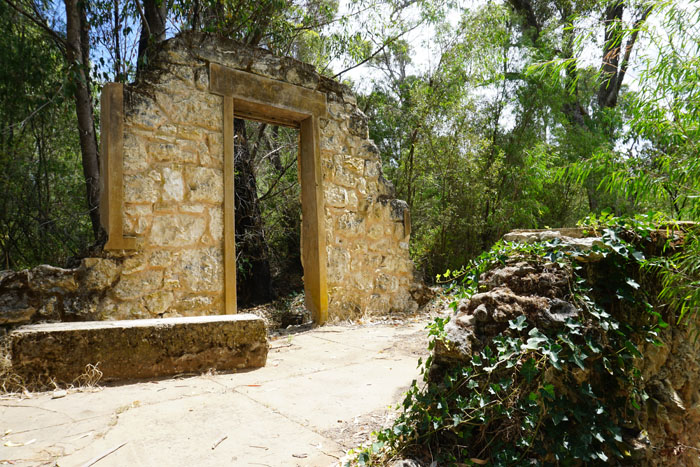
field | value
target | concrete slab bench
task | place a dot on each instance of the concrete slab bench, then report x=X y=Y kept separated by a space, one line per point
x=136 y=349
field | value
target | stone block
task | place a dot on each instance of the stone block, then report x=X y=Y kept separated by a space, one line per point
x=173 y=185
x=142 y=187
x=176 y=229
x=133 y=349
x=131 y=286
x=137 y=218
x=98 y=273
x=170 y=152
x=200 y=270
x=205 y=184
x=216 y=223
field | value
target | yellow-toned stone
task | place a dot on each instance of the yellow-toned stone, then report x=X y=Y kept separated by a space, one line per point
x=131 y=286
x=205 y=184
x=173 y=185
x=99 y=273
x=176 y=229
x=142 y=188
x=216 y=224
x=200 y=270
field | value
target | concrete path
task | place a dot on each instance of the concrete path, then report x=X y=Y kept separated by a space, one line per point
x=322 y=392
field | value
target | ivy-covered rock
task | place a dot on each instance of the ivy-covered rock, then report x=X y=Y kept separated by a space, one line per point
x=556 y=355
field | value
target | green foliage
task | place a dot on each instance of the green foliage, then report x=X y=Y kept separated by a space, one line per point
x=533 y=396
x=43 y=217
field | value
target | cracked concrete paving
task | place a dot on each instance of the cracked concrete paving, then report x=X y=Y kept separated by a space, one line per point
x=320 y=394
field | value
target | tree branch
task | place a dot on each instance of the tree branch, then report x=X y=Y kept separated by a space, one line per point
x=60 y=41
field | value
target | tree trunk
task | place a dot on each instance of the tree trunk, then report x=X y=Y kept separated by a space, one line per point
x=153 y=19
x=254 y=279
x=77 y=54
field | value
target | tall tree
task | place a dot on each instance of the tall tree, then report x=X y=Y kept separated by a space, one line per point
x=77 y=52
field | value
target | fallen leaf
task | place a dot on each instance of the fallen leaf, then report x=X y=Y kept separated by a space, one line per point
x=479 y=461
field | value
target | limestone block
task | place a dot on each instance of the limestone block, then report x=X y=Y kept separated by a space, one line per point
x=336 y=110
x=131 y=286
x=118 y=310
x=351 y=223
x=215 y=144
x=158 y=302
x=137 y=218
x=356 y=164
x=142 y=188
x=335 y=196
x=176 y=230
x=381 y=245
x=144 y=113
x=160 y=258
x=134 y=155
x=196 y=305
x=200 y=270
x=361 y=281
x=196 y=208
x=205 y=184
x=385 y=283
x=353 y=200
x=196 y=147
x=173 y=185
x=376 y=231
x=15 y=307
x=357 y=124
x=338 y=262
x=216 y=223
x=134 y=264
x=344 y=177
x=170 y=152
x=372 y=169
x=166 y=131
x=98 y=273
x=201 y=78
x=377 y=304
x=45 y=278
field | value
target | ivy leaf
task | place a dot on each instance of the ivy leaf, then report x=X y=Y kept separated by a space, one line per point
x=529 y=370
x=632 y=283
x=578 y=358
x=553 y=354
x=518 y=323
x=533 y=343
x=558 y=416
x=547 y=391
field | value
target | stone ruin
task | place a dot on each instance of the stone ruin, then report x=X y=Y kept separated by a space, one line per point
x=167 y=196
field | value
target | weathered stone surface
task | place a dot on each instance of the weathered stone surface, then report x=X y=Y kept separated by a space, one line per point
x=131 y=286
x=176 y=230
x=201 y=270
x=99 y=273
x=205 y=184
x=173 y=185
x=138 y=349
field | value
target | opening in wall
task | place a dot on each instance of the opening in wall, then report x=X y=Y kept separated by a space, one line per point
x=268 y=212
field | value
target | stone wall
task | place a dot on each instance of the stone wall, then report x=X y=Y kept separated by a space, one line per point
x=173 y=199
